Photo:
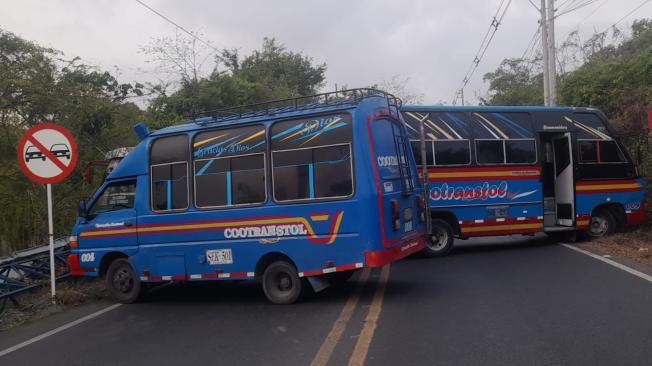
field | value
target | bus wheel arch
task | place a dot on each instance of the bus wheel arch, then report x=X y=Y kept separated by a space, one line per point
x=106 y=261
x=279 y=278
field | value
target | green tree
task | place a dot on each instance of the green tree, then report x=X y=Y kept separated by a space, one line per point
x=270 y=73
x=514 y=83
x=37 y=84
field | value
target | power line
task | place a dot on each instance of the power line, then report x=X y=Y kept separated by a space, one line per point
x=576 y=7
x=484 y=45
x=531 y=43
x=591 y=13
x=177 y=25
x=626 y=15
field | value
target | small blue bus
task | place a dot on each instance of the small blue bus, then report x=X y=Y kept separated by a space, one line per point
x=289 y=192
x=523 y=170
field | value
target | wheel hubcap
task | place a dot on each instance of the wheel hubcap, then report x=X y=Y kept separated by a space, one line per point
x=284 y=282
x=438 y=239
x=123 y=280
x=598 y=225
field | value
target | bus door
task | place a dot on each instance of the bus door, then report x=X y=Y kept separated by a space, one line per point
x=564 y=182
x=396 y=179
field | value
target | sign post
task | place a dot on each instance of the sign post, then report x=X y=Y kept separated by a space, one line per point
x=47 y=154
x=53 y=275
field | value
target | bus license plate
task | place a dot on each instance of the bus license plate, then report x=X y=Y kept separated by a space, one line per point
x=219 y=256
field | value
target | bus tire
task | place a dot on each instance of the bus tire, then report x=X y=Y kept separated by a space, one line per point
x=122 y=282
x=440 y=240
x=602 y=223
x=281 y=283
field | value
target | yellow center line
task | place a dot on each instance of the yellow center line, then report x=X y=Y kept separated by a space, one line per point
x=326 y=350
x=364 y=340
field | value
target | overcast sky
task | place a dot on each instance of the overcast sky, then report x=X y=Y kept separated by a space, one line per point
x=431 y=42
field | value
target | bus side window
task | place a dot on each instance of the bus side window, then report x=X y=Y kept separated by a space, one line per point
x=452 y=152
x=229 y=167
x=599 y=151
x=504 y=138
x=311 y=158
x=169 y=173
x=446 y=134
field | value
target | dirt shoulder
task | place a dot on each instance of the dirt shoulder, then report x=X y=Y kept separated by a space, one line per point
x=636 y=246
x=37 y=304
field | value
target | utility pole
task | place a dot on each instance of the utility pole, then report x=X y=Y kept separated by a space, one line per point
x=545 y=49
x=552 y=59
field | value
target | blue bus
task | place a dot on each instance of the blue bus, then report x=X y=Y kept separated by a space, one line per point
x=523 y=170
x=290 y=192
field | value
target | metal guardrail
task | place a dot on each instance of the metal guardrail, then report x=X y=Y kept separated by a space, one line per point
x=30 y=268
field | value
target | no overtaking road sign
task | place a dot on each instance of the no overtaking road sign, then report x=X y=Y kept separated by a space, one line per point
x=47 y=153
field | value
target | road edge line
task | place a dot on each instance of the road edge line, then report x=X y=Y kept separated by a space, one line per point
x=333 y=338
x=361 y=349
x=57 y=330
x=620 y=266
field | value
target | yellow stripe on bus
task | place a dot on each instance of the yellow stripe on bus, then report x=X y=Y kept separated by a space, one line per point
x=607 y=186
x=202 y=142
x=501 y=227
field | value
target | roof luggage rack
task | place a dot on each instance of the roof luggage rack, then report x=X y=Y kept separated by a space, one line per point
x=336 y=98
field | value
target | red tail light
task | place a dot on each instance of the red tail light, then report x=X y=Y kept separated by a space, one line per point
x=396 y=215
x=73 y=265
x=421 y=204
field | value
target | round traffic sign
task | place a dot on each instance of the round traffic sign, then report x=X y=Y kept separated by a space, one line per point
x=47 y=153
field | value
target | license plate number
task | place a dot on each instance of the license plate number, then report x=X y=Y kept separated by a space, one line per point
x=219 y=256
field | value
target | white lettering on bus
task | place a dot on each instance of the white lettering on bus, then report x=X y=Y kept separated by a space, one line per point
x=468 y=193
x=265 y=231
x=384 y=161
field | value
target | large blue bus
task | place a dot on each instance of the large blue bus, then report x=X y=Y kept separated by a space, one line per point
x=288 y=192
x=523 y=170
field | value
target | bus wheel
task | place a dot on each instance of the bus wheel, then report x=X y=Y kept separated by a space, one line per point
x=122 y=282
x=281 y=283
x=440 y=240
x=602 y=223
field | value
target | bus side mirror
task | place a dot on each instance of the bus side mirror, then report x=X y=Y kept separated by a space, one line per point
x=81 y=209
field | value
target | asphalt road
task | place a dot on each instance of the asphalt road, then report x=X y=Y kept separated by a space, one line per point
x=505 y=301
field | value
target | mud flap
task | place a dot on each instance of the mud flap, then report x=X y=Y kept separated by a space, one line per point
x=318 y=283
